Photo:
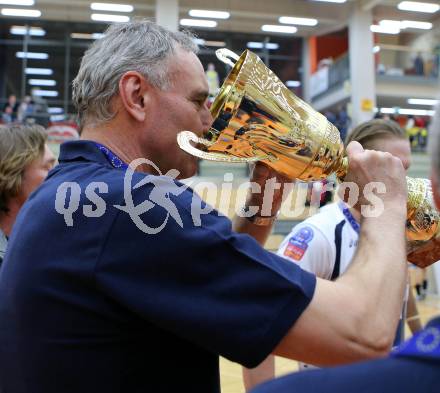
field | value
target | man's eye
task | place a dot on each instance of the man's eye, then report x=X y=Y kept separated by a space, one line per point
x=200 y=102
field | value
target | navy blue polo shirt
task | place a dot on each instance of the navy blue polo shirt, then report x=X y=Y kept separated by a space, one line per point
x=90 y=302
x=403 y=374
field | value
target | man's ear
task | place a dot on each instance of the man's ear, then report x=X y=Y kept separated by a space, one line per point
x=133 y=90
x=435 y=188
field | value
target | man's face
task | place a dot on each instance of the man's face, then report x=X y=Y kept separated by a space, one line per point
x=181 y=106
x=35 y=173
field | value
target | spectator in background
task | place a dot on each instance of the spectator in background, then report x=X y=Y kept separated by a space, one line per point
x=331 y=117
x=342 y=122
x=25 y=109
x=419 y=65
x=41 y=109
x=25 y=160
x=10 y=110
x=420 y=282
x=435 y=62
x=213 y=79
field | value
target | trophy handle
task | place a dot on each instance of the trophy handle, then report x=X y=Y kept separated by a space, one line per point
x=225 y=55
x=184 y=139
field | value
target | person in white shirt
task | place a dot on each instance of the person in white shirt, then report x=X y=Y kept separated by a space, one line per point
x=326 y=242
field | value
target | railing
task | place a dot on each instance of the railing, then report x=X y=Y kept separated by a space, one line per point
x=331 y=76
x=397 y=61
x=392 y=62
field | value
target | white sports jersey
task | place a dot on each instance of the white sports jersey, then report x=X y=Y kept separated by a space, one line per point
x=3 y=244
x=312 y=243
x=322 y=241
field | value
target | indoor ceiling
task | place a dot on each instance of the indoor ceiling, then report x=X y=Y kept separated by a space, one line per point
x=246 y=15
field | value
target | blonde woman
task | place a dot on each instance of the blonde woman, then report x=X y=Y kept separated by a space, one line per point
x=25 y=160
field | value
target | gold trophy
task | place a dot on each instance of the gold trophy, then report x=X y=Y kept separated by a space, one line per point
x=257 y=118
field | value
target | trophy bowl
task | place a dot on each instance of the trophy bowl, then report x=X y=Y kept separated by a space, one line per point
x=257 y=118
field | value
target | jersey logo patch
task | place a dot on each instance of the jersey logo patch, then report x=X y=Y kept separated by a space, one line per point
x=298 y=243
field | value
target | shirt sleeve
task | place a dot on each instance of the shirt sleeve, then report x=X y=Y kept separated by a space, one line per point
x=203 y=282
x=308 y=247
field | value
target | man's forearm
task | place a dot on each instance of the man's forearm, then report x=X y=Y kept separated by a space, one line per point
x=378 y=274
x=355 y=317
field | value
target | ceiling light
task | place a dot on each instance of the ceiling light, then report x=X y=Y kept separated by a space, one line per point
x=109 y=18
x=198 y=23
x=389 y=111
x=422 y=101
x=57 y=118
x=209 y=14
x=18 y=2
x=332 y=1
x=279 y=29
x=405 y=24
x=21 y=30
x=412 y=24
x=376 y=49
x=391 y=23
x=293 y=83
x=385 y=29
x=21 y=12
x=111 y=7
x=407 y=111
x=42 y=82
x=289 y=20
x=215 y=43
x=261 y=45
x=416 y=112
x=87 y=36
x=202 y=42
x=44 y=93
x=38 y=71
x=418 y=7
x=32 y=55
x=54 y=110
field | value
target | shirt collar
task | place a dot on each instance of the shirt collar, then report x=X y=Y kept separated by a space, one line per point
x=349 y=217
x=82 y=150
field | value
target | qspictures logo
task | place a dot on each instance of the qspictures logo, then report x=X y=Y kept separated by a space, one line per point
x=162 y=189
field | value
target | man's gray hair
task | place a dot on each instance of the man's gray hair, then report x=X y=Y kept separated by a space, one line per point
x=434 y=143
x=141 y=46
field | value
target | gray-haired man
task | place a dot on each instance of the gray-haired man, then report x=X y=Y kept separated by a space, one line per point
x=107 y=290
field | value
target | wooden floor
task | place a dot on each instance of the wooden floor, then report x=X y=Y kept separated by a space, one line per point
x=231 y=372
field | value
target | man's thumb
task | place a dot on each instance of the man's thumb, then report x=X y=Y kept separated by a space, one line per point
x=353 y=149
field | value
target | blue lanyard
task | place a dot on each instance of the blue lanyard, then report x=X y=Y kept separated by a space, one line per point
x=112 y=157
x=349 y=217
x=425 y=344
